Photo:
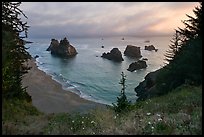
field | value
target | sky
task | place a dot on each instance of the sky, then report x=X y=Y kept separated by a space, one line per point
x=101 y=19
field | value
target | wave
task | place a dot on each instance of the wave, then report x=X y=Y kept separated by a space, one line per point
x=72 y=86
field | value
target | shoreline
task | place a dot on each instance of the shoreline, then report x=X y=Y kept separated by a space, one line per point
x=48 y=96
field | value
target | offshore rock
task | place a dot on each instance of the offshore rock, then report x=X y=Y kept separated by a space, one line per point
x=63 y=49
x=150 y=48
x=132 y=51
x=114 y=55
x=137 y=65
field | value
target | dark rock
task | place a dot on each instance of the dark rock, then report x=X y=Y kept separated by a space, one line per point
x=137 y=65
x=114 y=54
x=64 y=48
x=146 y=41
x=53 y=45
x=132 y=51
x=150 y=48
x=147 y=88
x=145 y=59
x=27 y=42
x=102 y=46
x=36 y=56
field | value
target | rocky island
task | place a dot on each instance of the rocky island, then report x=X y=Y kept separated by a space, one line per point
x=132 y=51
x=62 y=49
x=137 y=65
x=114 y=55
x=150 y=48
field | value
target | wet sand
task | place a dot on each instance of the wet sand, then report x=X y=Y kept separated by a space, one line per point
x=48 y=95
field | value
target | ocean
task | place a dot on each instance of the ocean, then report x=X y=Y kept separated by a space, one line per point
x=93 y=77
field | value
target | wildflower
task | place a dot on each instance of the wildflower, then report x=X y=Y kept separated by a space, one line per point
x=72 y=121
x=71 y=128
x=152 y=127
x=159 y=119
x=148 y=114
x=92 y=122
x=82 y=122
x=115 y=117
x=93 y=133
x=149 y=123
x=83 y=128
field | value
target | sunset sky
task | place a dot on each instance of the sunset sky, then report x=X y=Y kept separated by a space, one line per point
x=88 y=19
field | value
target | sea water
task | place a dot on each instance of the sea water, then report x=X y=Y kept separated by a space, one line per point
x=93 y=77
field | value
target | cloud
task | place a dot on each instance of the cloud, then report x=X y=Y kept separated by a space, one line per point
x=85 y=19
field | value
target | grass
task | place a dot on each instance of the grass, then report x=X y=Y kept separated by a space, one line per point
x=177 y=113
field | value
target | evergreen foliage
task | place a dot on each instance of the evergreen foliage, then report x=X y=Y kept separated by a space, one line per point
x=122 y=103
x=173 y=47
x=184 y=56
x=14 y=53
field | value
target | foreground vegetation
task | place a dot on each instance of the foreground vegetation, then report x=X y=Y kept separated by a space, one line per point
x=179 y=112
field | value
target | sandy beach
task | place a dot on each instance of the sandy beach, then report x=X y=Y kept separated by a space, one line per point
x=48 y=95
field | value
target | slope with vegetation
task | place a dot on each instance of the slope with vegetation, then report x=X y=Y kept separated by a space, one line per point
x=184 y=60
x=178 y=112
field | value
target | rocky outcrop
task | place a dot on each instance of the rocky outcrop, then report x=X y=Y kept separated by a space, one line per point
x=132 y=51
x=147 y=88
x=137 y=65
x=36 y=56
x=64 y=48
x=114 y=55
x=145 y=59
x=150 y=48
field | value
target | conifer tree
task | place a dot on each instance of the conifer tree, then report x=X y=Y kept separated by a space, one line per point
x=173 y=47
x=184 y=55
x=122 y=103
x=193 y=26
x=14 y=53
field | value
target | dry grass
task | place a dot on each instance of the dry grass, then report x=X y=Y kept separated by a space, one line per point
x=179 y=112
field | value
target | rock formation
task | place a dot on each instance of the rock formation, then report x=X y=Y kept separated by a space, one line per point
x=132 y=51
x=63 y=49
x=137 y=65
x=36 y=56
x=145 y=59
x=114 y=54
x=147 y=88
x=150 y=48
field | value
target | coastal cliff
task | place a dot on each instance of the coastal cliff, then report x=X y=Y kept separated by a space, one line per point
x=147 y=88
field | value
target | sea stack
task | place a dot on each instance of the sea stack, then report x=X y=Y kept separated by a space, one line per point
x=137 y=65
x=114 y=55
x=132 y=51
x=150 y=48
x=62 y=49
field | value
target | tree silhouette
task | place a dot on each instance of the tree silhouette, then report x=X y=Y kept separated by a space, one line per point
x=122 y=103
x=184 y=56
x=14 y=53
x=193 y=26
x=173 y=47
